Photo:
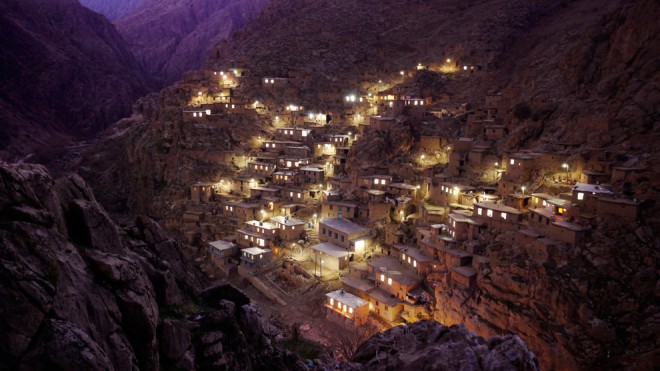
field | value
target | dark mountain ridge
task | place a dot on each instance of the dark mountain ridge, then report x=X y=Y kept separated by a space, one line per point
x=65 y=75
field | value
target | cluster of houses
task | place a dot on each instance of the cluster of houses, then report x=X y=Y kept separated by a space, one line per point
x=296 y=190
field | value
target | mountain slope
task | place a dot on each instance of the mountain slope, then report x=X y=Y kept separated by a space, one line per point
x=65 y=75
x=113 y=9
x=173 y=36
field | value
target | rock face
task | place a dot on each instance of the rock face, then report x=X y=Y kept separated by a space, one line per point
x=171 y=37
x=431 y=346
x=81 y=293
x=66 y=75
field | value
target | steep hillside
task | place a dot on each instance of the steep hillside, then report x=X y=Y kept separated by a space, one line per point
x=174 y=36
x=113 y=9
x=65 y=75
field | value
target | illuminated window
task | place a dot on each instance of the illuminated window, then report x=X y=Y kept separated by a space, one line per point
x=304 y=133
x=415 y=263
x=479 y=211
x=489 y=213
x=404 y=256
x=580 y=196
x=382 y=277
x=512 y=161
x=350 y=310
x=376 y=181
x=246 y=237
x=389 y=281
x=503 y=215
x=332 y=301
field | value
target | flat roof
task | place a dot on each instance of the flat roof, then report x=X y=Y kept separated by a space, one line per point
x=417 y=254
x=331 y=249
x=255 y=250
x=311 y=168
x=343 y=225
x=543 y=212
x=559 y=202
x=257 y=223
x=286 y=220
x=264 y=189
x=593 y=188
x=222 y=245
x=494 y=206
x=403 y=186
x=349 y=299
x=358 y=283
x=459 y=217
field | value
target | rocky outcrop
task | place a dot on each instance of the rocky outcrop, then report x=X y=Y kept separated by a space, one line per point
x=433 y=346
x=171 y=37
x=81 y=293
x=66 y=75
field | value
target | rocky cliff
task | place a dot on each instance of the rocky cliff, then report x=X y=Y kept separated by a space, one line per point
x=429 y=345
x=65 y=75
x=171 y=37
x=79 y=292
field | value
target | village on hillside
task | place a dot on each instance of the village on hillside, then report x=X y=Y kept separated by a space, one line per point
x=382 y=239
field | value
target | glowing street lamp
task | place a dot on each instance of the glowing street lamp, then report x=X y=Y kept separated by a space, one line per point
x=565 y=166
x=523 y=191
x=448 y=60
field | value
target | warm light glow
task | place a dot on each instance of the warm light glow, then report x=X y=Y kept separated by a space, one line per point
x=448 y=60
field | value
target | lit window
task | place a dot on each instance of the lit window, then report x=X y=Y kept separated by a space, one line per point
x=404 y=256
x=304 y=133
x=415 y=263
x=246 y=237
x=332 y=301
x=382 y=277
x=389 y=281
x=298 y=195
x=580 y=196
x=489 y=213
x=512 y=161
x=350 y=310
x=376 y=181
x=503 y=215
x=479 y=211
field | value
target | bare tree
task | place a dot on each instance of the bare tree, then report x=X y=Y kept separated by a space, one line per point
x=345 y=339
